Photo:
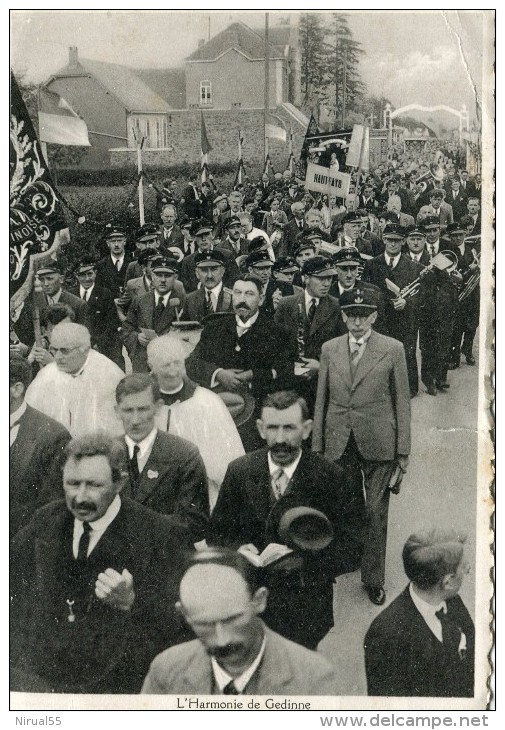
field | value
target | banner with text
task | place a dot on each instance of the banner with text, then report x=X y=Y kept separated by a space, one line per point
x=323 y=180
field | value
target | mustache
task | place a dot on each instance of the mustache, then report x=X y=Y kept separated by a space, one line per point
x=282 y=448
x=221 y=652
x=243 y=305
x=88 y=506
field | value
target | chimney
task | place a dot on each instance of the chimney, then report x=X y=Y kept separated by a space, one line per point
x=73 y=60
x=201 y=42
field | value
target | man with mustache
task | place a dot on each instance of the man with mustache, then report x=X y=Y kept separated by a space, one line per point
x=93 y=581
x=257 y=490
x=222 y=598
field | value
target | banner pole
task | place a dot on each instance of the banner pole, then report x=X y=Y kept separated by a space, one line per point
x=141 y=182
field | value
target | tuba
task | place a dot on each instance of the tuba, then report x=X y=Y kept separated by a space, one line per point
x=474 y=278
x=443 y=261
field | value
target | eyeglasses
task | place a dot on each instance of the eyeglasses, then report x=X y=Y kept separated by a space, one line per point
x=63 y=350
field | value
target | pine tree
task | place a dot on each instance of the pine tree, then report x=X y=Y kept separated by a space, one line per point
x=345 y=87
x=314 y=60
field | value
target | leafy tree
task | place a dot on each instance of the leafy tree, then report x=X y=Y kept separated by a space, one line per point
x=343 y=75
x=314 y=53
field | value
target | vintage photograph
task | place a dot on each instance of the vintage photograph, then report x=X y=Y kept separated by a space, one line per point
x=251 y=359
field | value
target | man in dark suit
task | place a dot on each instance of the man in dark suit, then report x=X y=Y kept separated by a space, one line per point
x=400 y=313
x=111 y=270
x=362 y=419
x=166 y=473
x=473 y=209
x=457 y=198
x=294 y=228
x=235 y=202
x=51 y=276
x=222 y=597
x=313 y=317
x=212 y=296
x=234 y=242
x=170 y=234
x=422 y=644
x=241 y=349
x=259 y=264
x=202 y=233
x=93 y=582
x=102 y=314
x=36 y=450
x=258 y=489
x=349 y=266
x=147 y=238
x=190 y=200
x=152 y=314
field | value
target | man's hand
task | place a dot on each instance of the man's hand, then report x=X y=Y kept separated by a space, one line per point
x=19 y=349
x=399 y=304
x=115 y=589
x=403 y=462
x=312 y=366
x=143 y=339
x=38 y=354
x=245 y=376
x=229 y=379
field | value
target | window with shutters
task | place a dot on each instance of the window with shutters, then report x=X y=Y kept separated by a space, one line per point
x=205 y=93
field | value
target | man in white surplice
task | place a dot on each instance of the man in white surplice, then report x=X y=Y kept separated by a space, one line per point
x=192 y=412
x=78 y=388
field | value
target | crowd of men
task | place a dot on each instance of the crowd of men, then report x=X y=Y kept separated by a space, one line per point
x=207 y=426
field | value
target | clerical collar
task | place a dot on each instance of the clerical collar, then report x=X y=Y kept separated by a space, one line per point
x=171 y=392
x=222 y=678
x=248 y=323
x=16 y=415
x=179 y=395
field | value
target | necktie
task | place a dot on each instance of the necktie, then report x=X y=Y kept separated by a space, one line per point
x=208 y=302
x=451 y=633
x=134 y=466
x=158 y=313
x=85 y=295
x=355 y=348
x=82 y=550
x=390 y=263
x=118 y=265
x=432 y=250
x=279 y=482
x=312 y=310
x=230 y=689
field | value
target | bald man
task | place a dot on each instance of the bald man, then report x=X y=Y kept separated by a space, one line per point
x=78 y=388
x=222 y=599
x=193 y=412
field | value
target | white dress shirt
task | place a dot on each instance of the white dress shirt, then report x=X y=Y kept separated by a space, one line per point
x=427 y=611
x=362 y=341
x=242 y=327
x=14 y=422
x=157 y=298
x=55 y=298
x=115 y=260
x=308 y=302
x=145 y=448
x=288 y=470
x=98 y=527
x=435 y=246
x=85 y=293
x=222 y=678
x=214 y=294
x=394 y=259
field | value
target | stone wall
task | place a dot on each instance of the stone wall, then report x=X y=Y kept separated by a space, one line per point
x=222 y=126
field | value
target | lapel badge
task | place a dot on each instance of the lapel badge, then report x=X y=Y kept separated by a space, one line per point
x=152 y=474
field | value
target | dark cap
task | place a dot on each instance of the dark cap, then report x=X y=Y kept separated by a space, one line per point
x=437 y=193
x=51 y=267
x=258 y=258
x=203 y=258
x=393 y=230
x=303 y=244
x=359 y=298
x=167 y=264
x=147 y=255
x=114 y=231
x=456 y=228
x=199 y=227
x=346 y=255
x=388 y=215
x=285 y=264
x=84 y=263
x=256 y=244
x=430 y=220
x=149 y=230
x=233 y=220
x=318 y=266
x=312 y=234
x=416 y=231
x=351 y=217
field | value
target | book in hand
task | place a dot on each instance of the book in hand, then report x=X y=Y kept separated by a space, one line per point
x=271 y=554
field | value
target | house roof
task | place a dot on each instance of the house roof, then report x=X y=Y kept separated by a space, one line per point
x=239 y=36
x=125 y=83
x=168 y=83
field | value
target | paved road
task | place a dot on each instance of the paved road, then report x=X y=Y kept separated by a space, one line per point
x=439 y=489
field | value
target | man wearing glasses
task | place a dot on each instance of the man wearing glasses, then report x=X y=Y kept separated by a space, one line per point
x=78 y=388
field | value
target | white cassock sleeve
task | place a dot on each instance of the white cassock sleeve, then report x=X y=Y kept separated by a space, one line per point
x=204 y=420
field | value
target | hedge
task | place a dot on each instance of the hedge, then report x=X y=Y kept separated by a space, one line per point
x=73 y=177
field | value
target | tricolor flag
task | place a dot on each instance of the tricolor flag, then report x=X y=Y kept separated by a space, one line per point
x=205 y=149
x=273 y=130
x=239 y=177
x=58 y=123
x=37 y=223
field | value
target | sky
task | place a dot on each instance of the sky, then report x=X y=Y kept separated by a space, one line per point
x=427 y=57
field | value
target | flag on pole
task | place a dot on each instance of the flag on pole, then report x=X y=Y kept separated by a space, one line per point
x=291 y=158
x=206 y=148
x=239 y=177
x=37 y=222
x=58 y=123
x=273 y=130
x=269 y=168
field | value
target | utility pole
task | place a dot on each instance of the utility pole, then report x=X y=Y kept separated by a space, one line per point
x=267 y=83
x=344 y=81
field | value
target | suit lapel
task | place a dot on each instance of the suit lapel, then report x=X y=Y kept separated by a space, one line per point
x=373 y=353
x=323 y=313
x=24 y=445
x=258 y=485
x=152 y=472
x=341 y=357
x=148 y=307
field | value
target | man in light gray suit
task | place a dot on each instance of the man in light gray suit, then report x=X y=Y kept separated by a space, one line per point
x=362 y=420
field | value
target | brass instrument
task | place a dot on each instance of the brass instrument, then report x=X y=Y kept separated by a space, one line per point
x=473 y=280
x=443 y=261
